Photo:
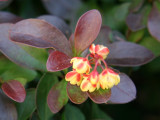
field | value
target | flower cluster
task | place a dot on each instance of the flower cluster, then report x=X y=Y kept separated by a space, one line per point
x=89 y=79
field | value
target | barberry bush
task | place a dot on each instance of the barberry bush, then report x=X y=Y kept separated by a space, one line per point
x=74 y=60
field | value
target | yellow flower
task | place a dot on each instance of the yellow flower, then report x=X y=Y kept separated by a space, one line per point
x=93 y=77
x=108 y=78
x=86 y=85
x=113 y=75
x=99 y=50
x=81 y=65
x=90 y=81
x=74 y=77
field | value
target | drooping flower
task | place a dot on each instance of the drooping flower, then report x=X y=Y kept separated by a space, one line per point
x=93 y=77
x=90 y=81
x=74 y=77
x=81 y=65
x=99 y=50
x=86 y=85
x=108 y=78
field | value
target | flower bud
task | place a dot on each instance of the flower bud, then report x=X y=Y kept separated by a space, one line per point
x=81 y=65
x=100 y=50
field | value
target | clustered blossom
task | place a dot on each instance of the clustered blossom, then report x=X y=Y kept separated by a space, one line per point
x=89 y=79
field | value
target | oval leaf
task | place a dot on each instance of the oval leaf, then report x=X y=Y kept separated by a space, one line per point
x=57 y=96
x=152 y=44
x=136 y=5
x=135 y=21
x=124 y=92
x=58 y=61
x=62 y=8
x=75 y=94
x=39 y=33
x=87 y=29
x=7 y=17
x=73 y=113
x=128 y=54
x=153 y=22
x=7 y=108
x=104 y=36
x=45 y=84
x=19 y=56
x=98 y=114
x=4 y=3
x=14 y=90
x=26 y=108
x=100 y=96
x=58 y=23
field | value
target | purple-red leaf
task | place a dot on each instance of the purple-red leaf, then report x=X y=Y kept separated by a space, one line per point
x=7 y=108
x=58 y=61
x=136 y=5
x=57 y=96
x=153 y=22
x=75 y=94
x=100 y=96
x=58 y=23
x=65 y=9
x=6 y=17
x=87 y=29
x=38 y=33
x=128 y=54
x=135 y=21
x=14 y=90
x=124 y=92
x=14 y=52
x=103 y=36
x=4 y=3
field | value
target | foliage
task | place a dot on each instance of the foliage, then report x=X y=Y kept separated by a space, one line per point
x=36 y=49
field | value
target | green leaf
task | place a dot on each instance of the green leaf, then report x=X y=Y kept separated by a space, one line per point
x=75 y=94
x=97 y=113
x=115 y=17
x=9 y=70
x=45 y=84
x=26 y=108
x=136 y=36
x=38 y=53
x=100 y=96
x=57 y=96
x=16 y=72
x=73 y=113
x=152 y=44
x=5 y=64
x=15 y=52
